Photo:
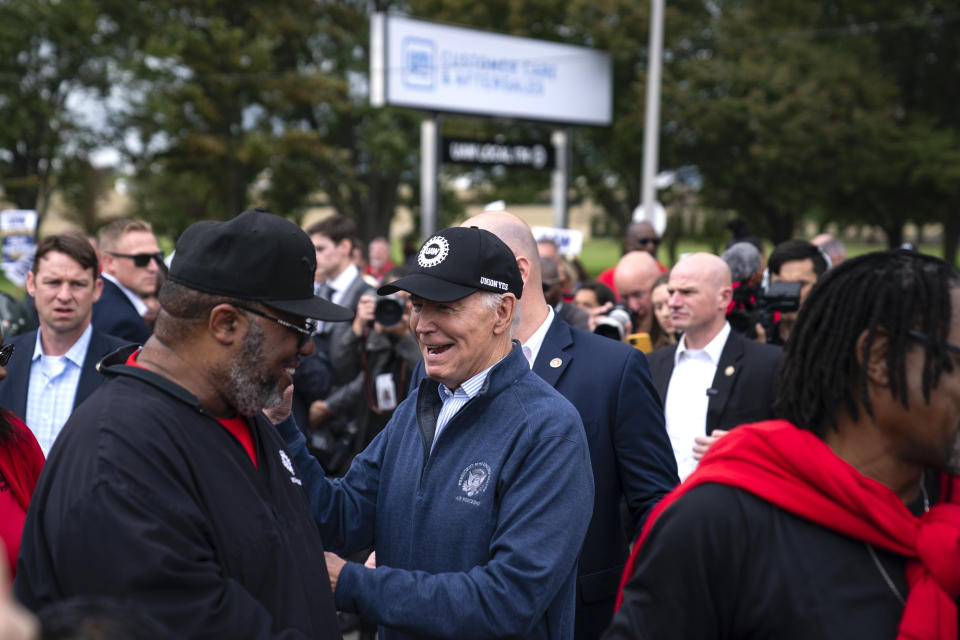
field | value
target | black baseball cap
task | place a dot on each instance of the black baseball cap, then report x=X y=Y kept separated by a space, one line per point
x=458 y=261
x=256 y=256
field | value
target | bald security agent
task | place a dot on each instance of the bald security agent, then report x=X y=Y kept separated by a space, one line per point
x=477 y=494
x=168 y=488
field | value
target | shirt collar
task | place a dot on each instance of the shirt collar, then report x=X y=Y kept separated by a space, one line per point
x=468 y=388
x=137 y=302
x=535 y=341
x=713 y=350
x=342 y=281
x=75 y=354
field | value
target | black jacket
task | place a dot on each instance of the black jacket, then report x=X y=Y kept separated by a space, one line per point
x=744 y=386
x=114 y=314
x=147 y=497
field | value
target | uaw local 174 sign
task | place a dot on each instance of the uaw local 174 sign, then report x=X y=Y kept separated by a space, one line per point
x=18 y=227
x=534 y=155
x=421 y=64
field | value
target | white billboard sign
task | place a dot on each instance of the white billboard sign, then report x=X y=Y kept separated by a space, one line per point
x=425 y=65
x=569 y=241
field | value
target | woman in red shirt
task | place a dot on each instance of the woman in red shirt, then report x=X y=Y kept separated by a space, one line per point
x=20 y=462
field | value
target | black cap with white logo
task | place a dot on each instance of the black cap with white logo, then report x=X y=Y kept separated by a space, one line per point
x=458 y=261
x=256 y=256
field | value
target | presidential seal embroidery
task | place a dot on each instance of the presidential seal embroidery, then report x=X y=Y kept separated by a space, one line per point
x=473 y=482
x=285 y=459
x=434 y=251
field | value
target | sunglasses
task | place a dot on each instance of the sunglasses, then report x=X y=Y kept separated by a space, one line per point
x=654 y=241
x=5 y=352
x=140 y=259
x=305 y=332
x=922 y=337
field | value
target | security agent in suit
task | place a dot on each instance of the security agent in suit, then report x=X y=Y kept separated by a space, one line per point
x=131 y=261
x=714 y=378
x=117 y=313
x=609 y=384
x=65 y=284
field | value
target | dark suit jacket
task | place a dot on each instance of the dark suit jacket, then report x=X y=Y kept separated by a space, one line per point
x=745 y=382
x=610 y=385
x=13 y=390
x=115 y=315
x=343 y=374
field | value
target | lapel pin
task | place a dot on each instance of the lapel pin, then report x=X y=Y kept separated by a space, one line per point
x=556 y=362
x=728 y=371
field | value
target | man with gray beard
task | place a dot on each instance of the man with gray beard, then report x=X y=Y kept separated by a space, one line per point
x=168 y=488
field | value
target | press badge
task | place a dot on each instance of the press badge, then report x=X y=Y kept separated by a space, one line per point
x=386 y=392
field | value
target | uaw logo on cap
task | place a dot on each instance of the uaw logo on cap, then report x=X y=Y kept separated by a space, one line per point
x=433 y=252
x=473 y=482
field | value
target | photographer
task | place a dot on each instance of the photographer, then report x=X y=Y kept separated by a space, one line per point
x=759 y=312
x=798 y=262
x=381 y=352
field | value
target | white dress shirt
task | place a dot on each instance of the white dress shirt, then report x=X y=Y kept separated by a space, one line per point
x=531 y=348
x=342 y=282
x=685 y=408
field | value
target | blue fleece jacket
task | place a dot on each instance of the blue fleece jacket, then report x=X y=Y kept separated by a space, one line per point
x=478 y=538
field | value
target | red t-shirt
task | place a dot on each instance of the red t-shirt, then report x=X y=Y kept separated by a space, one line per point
x=237 y=425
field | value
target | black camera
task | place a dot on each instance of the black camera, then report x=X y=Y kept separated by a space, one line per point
x=389 y=310
x=756 y=305
x=616 y=324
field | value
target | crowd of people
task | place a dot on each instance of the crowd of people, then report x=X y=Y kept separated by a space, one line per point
x=285 y=434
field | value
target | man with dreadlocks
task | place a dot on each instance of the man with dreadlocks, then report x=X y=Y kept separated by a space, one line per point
x=840 y=521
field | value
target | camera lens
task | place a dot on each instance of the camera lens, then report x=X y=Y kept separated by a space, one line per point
x=388 y=311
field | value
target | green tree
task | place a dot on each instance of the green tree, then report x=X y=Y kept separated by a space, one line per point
x=239 y=103
x=50 y=52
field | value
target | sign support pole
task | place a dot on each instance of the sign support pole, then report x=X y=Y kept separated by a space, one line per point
x=651 y=125
x=560 y=177
x=429 y=174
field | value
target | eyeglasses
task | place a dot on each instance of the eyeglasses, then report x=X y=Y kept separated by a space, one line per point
x=5 y=352
x=305 y=332
x=654 y=241
x=922 y=337
x=140 y=259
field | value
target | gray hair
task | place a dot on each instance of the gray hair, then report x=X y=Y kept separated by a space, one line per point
x=492 y=300
x=743 y=259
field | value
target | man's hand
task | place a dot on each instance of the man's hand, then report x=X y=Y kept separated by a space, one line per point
x=319 y=413
x=598 y=312
x=335 y=565
x=705 y=442
x=365 y=308
x=761 y=333
x=397 y=331
x=281 y=412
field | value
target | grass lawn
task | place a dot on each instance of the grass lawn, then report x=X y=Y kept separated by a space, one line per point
x=600 y=253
